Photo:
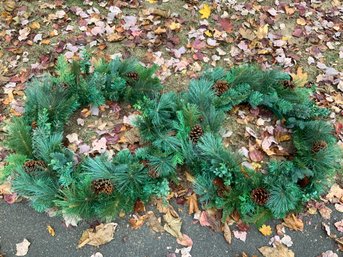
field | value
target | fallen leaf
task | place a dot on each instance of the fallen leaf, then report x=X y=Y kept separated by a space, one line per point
x=137 y=222
x=300 y=78
x=336 y=192
x=329 y=253
x=70 y=220
x=97 y=254
x=262 y=31
x=292 y=222
x=247 y=34
x=51 y=230
x=241 y=235
x=173 y=223
x=339 y=225
x=185 y=240
x=193 y=204
x=23 y=247
x=102 y=234
x=9 y=5
x=227 y=233
x=265 y=230
x=154 y=223
x=287 y=241
x=203 y=219
x=139 y=206
x=226 y=25
x=279 y=251
x=325 y=212
x=5 y=188
x=339 y=207
x=205 y=11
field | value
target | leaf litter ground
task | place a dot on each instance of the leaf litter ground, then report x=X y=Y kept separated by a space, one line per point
x=184 y=38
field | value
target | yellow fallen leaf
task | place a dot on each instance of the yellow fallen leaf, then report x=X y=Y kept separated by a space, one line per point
x=208 y=33
x=51 y=230
x=45 y=42
x=205 y=11
x=152 y=1
x=301 y=21
x=175 y=26
x=262 y=31
x=265 y=230
x=35 y=25
x=300 y=78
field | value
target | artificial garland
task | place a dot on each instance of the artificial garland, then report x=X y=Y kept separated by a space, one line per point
x=180 y=130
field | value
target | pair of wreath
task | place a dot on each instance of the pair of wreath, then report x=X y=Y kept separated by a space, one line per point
x=180 y=130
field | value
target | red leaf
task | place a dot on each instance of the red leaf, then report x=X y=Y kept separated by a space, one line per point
x=226 y=24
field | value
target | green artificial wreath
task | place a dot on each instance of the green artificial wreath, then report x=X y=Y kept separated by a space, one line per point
x=179 y=130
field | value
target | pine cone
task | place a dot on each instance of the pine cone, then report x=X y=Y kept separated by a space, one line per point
x=259 y=195
x=102 y=186
x=196 y=133
x=133 y=75
x=304 y=182
x=34 y=124
x=32 y=165
x=319 y=145
x=288 y=84
x=153 y=173
x=220 y=87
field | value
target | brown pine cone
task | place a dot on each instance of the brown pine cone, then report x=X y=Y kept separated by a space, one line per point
x=319 y=145
x=133 y=75
x=260 y=195
x=32 y=165
x=220 y=87
x=196 y=133
x=102 y=186
x=304 y=182
x=289 y=84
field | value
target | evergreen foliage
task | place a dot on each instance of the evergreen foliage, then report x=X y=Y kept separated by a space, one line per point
x=178 y=129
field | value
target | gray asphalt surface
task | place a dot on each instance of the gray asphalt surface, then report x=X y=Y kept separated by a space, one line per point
x=20 y=221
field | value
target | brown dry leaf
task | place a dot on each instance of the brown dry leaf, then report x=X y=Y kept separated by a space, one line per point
x=247 y=34
x=51 y=230
x=289 y=10
x=137 y=221
x=185 y=240
x=189 y=177
x=9 y=5
x=102 y=234
x=279 y=251
x=139 y=206
x=335 y=192
x=227 y=233
x=193 y=204
x=115 y=37
x=161 y=206
x=300 y=78
x=153 y=222
x=5 y=189
x=292 y=222
x=325 y=212
x=173 y=223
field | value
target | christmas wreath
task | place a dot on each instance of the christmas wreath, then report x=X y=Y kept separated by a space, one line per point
x=180 y=132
